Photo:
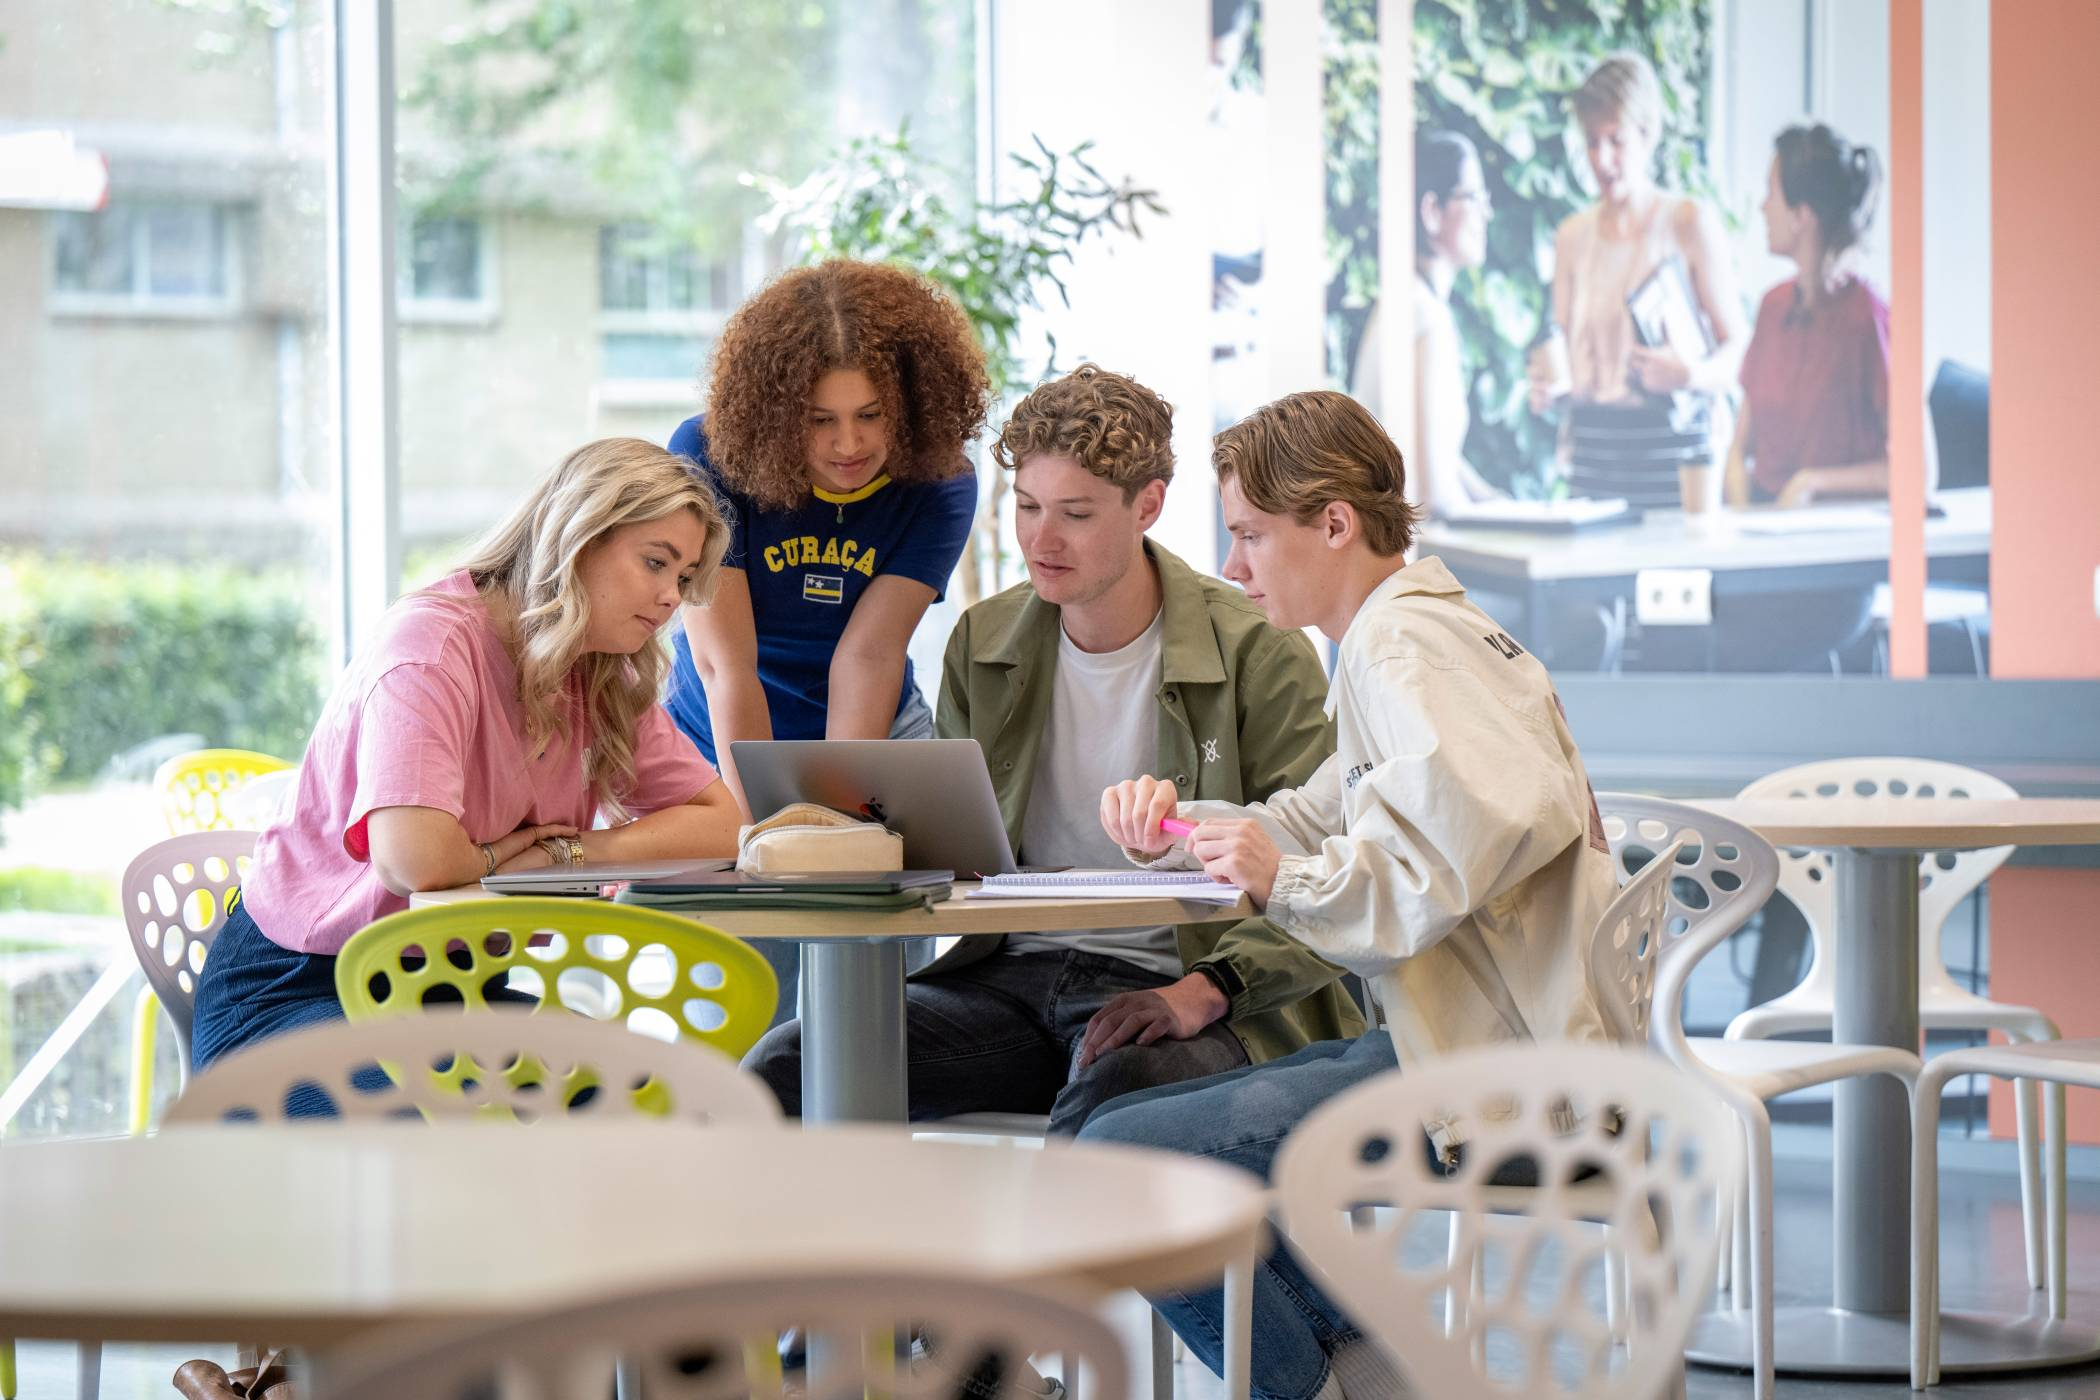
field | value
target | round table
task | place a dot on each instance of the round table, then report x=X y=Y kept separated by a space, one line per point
x=1878 y=843
x=311 y=1235
x=853 y=1064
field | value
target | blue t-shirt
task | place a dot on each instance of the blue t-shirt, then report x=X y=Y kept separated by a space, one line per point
x=806 y=569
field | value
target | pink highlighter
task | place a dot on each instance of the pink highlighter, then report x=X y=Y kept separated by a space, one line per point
x=1175 y=826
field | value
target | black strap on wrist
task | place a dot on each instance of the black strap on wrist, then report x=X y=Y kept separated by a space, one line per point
x=1222 y=976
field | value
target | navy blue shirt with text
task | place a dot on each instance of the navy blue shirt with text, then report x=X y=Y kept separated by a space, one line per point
x=806 y=569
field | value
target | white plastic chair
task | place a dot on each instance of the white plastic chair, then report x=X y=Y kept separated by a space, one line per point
x=507 y=1064
x=175 y=895
x=714 y=1342
x=1658 y=1145
x=1944 y=881
x=1722 y=872
x=2055 y=1062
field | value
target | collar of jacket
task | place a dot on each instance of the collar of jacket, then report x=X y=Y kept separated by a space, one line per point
x=1188 y=647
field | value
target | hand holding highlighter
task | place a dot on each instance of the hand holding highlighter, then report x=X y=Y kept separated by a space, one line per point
x=1175 y=826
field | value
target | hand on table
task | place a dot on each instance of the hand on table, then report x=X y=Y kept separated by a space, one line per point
x=520 y=851
x=1800 y=490
x=1173 y=1012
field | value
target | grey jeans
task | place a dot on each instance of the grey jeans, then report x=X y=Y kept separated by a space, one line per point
x=1002 y=1035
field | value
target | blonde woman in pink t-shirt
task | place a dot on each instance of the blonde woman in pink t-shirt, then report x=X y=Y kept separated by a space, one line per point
x=494 y=719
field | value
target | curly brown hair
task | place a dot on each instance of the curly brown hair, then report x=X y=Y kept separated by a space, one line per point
x=1108 y=423
x=914 y=344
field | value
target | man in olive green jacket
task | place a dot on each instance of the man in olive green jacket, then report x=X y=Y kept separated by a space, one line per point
x=1115 y=660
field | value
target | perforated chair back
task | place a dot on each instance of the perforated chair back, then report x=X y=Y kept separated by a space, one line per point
x=1721 y=874
x=1945 y=878
x=671 y=977
x=504 y=1064
x=714 y=1341
x=194 y=786
x=1510 y=1297
x=1625 y=949
x=175 y=901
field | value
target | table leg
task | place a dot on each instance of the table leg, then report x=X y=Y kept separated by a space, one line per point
x=1877 y=1004
x=1239 y=1328
x=1866 y=1331
x=853 y=1031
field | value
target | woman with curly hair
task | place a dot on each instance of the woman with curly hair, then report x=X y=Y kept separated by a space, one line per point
x=844 y=397
x=493 y=717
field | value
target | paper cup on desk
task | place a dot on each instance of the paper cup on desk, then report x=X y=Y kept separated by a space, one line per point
x=1699 y=494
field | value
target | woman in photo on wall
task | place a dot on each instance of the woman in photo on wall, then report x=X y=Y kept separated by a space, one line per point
x=1452 y=209
x=1815 y=418
x=842 y=400
x=1639 y=419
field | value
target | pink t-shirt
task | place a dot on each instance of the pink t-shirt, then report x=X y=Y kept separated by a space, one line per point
x=428 y=716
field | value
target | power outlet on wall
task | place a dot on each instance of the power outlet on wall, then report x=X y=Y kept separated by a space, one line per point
x=1674 y=597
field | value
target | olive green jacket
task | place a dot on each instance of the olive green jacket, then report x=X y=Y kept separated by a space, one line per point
x=1241 y=714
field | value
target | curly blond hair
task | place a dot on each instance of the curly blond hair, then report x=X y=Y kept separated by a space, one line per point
x=527 y=568
x=1108 y=423
x=915 y=345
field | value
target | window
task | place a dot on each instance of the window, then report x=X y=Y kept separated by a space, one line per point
x=660 y=306
x=447 y=269
x=172 y=256
x=169 y=516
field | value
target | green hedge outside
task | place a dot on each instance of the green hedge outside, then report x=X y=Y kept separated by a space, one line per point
x=95 y=658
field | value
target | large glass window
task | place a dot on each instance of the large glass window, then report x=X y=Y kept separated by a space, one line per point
x=168 y=519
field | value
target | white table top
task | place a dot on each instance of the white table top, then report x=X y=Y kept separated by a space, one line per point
x=309 y=1235
x=1913 y=823
x=956 y=915
x=1663 y=540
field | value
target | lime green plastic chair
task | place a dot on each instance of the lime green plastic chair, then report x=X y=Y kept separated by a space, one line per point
x=193 y=786
x=669 y=975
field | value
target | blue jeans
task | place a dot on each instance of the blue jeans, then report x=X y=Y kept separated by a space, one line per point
x=1241 y=1117
x=914 y=721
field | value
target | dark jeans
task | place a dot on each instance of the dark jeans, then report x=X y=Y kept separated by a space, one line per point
x=1242 y=1117
x=1001 y=1035
x=252 y=989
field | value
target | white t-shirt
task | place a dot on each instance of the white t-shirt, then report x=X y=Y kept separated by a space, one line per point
x=1102 y=729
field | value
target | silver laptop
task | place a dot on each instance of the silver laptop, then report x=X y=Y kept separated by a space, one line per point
x=935 y=793
x=591 y=876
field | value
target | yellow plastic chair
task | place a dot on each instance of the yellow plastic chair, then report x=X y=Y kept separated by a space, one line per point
x=670 y=977
x=193 y=786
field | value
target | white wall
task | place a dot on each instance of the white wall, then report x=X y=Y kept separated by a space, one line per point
x=1957 y=183
x=1132 y=78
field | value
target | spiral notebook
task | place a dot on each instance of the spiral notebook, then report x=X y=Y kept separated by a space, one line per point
x=1191 y=885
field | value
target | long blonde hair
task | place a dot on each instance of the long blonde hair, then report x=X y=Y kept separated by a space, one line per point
x=527 y=567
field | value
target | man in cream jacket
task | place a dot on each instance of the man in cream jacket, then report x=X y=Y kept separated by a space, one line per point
x=1450 y=852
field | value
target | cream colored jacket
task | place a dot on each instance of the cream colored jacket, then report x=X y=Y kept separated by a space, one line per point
x=1450 y=852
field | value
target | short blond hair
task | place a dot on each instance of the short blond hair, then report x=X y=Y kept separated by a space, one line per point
x=1623 y=88
x=1108 y=423
x=1295 y=456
